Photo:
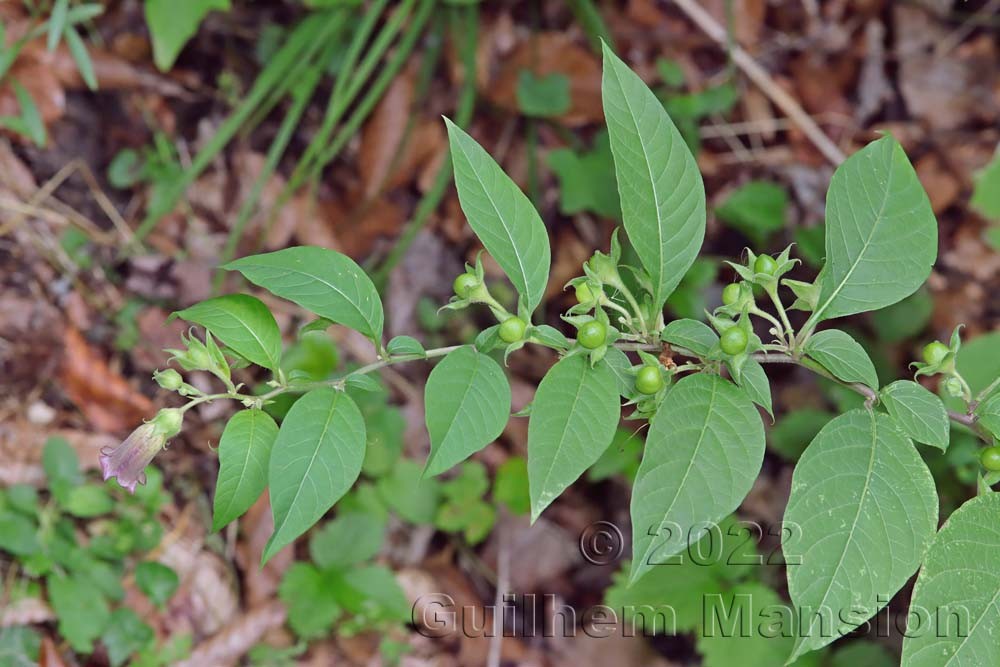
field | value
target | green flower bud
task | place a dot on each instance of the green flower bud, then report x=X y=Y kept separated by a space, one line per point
x=168 y=379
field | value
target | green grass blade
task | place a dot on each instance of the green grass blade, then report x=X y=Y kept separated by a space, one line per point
x=301 y=94
x=464 y=24
x=57 y=23
x=317 y=27
x=79 y=52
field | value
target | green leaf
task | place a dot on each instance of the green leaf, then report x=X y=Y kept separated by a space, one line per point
x=81 y=609
x=621 y=457
x=988 y=413
x=793 y=433
x=125 y=634
x=576 y=410
x=60 y=462
x=23 y=498
x=753 y=380
x=843 y=356
x=157 y=581
x=404 y=345
x=323 y=281
x=372 y=591
x=691 y=335
x=986 y=194
x=748 y=625
x=583 y=179
x=511 y=485
x=979 y=361
x=18 y=534
x=408 y=493
x=351 y=538
x=78 y=50
x=918 y=413
x=243 y=323
x=863 y=654
x=662 y=194
x=501 y=216
x=57 y=23
x=88 y=501
x=862 y=512
x=308 y=595
x=244 y=453
x=543 y=96
x=682 y=588
x=757 y=209
x=19 y=646
x=905 y=319
x=171 y=25
x=704 y=449
x=316 y=458
x=881 y=234
x=621 y=367
x=960 y=585
x=467 y=401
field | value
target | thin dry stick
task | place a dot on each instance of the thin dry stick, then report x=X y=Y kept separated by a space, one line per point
x=759 y=76
x=503 y=581
x=958 y=36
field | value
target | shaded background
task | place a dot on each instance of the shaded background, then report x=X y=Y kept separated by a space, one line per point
x=118 y=203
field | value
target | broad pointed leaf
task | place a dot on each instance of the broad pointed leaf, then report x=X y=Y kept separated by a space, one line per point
x=502 y=216
x=881 y=234
x=753 y=380
x=959 y=589
x=691 y=335
x=843 y=356
x=662 y=193
x=315 y=460
x=918 y=413
x=467 y=400
x=703 y=452
x=573 y=420
x=244 y=454
x=243 y=323
x=862 y=513
x=322 y=281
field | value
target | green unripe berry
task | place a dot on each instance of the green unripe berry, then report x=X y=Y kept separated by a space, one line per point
x=592 y=334
x=990 y=458
x=649 y=380
x=464 y=284
x=934 y=353
x=512 y=329
x=584 y=294
x=731 y=294
x=733 y=340
x=765 y=264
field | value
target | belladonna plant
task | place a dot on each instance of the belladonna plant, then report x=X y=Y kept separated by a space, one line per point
x=862 y=516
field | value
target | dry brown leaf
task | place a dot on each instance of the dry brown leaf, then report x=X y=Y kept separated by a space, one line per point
x=940 y=183
x=21 y=445
x=947 y=90
x=25 y=611
x=107 y=399
x=384 y=131
x=238 y=637
x=549 y=53
x=260 y=583
x=49 y=655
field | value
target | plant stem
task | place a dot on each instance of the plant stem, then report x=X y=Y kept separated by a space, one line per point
x=870 y=395
x=778 y=306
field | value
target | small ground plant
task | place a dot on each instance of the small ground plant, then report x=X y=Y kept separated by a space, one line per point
x=863 y=512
